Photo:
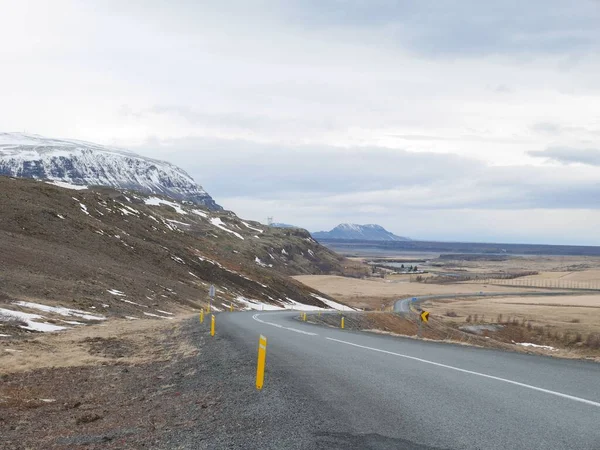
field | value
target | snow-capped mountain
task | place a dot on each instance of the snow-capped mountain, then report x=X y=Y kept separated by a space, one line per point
x=369 y=232
x=87 y=164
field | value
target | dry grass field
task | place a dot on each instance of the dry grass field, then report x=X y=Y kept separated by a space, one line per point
x=565 y=317
x=371 y=293
x=571 y=313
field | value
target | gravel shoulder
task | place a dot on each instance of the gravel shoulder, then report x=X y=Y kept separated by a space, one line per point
x=195 y=391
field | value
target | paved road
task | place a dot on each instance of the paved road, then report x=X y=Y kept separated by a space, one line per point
x=403 y=305
x=381 y=392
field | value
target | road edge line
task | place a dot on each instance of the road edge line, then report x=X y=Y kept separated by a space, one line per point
x=492 y=377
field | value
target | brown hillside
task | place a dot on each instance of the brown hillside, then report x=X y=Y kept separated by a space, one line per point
x=70 y=248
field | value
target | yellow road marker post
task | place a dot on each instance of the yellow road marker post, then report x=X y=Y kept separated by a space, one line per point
x=260 y=367
x=231 y=307
x=201 y=315
x=342 y=324
x=212 y=324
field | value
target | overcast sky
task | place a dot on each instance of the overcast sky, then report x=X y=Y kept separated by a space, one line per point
x=450 y=120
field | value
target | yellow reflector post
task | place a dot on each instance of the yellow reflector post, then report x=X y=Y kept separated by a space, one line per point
x=262 y=357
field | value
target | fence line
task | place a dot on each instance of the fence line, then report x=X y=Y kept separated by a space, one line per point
x=538 y=283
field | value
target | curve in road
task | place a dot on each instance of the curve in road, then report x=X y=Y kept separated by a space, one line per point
x=388 y=392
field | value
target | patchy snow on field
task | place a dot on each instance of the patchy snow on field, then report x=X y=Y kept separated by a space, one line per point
x=177 y=259
x=4 y=335
x=132 y=303
x=216 y=221
x=155 y=201
x=252 y=228
x=529 y=344
x=30 y=320
x=132 y=318
x=156 y=315
x=84 y=208
x=177 y=222
x=67 y=312
x=297 y=306
x=62 y=184
x=60 y=216
x=200 y=213
x=283 y=252
x=258 y=261
x=165 y=312
x=333 y=305
x=257 y=305
x=115 y=292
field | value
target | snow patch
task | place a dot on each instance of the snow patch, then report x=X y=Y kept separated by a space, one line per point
x=200 y=213
x=252 y=228
x=115 y=292
x=62 y=184
x=216 y=221
x=257 y=305
x=333 y=305
x=529 y=344
x=155 y=201
x=156 y=315
x=67 y=312
x=29 y=319
x=132 y=303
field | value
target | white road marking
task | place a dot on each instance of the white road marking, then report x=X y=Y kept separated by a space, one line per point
x=516 y=383
x=255 y=317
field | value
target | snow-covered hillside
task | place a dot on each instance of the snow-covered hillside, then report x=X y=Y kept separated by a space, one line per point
x=369 y=232
x=87 y=164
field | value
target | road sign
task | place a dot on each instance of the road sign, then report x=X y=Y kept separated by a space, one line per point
x=425 y=316
x=211 y=291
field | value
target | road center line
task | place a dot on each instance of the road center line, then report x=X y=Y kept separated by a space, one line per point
x=295 y=330
x=516 y=383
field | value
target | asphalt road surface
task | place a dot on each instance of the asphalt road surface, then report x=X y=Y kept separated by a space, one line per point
x=383 y=392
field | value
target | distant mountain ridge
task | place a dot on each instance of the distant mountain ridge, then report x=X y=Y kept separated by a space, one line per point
x=87 y=164
x=368 y=232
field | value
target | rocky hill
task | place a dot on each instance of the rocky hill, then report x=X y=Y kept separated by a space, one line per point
x=86 y=164
x=104 y=253
x=350 y=231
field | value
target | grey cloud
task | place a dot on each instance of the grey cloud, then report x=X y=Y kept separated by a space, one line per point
x=429 y=27
x=233 y=120
x=351 y=179
x=547 y=127
x=269 y=170
x=468 y=27
x=569 y=155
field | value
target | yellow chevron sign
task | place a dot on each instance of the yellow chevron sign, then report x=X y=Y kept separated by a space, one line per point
x=425 y=316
